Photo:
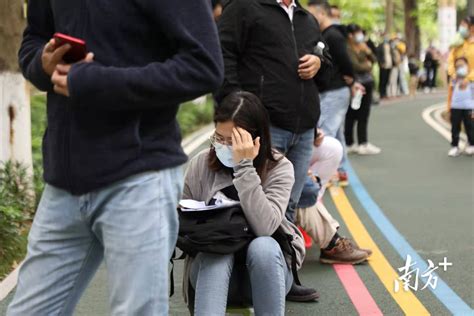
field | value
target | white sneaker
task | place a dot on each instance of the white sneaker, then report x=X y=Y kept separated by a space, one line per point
x=454 y=152
x=469 y=150
x=368 y=149
x=353 y=149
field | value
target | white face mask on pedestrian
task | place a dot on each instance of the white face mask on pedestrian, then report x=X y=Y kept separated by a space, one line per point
x=359 y=38
x=463 y=31
x=461 y=72
x=225 y=155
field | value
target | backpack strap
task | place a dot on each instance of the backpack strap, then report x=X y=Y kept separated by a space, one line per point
x=173 y=257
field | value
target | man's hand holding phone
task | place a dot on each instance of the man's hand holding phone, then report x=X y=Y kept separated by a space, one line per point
x=52 y=58
x=59 y=77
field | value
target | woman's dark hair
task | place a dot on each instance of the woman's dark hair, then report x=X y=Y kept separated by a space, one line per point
x=469 y=20
x=461 y=58
x=353 y=28
x=246 y=111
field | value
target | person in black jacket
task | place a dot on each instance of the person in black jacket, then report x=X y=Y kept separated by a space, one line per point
x=335 y=89
x=112 y=153
x=270 y=48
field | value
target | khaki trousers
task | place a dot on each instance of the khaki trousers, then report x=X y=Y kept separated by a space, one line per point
x=318 y=223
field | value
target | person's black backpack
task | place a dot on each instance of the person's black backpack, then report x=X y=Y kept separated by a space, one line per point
x=221 y=231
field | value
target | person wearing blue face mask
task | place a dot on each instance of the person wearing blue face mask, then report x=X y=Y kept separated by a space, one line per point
x=464 y=48
x=462 y=107
x=362 y=59
x=241 y=156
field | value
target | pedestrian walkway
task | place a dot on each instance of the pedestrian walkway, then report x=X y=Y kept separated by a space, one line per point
x=411 y=199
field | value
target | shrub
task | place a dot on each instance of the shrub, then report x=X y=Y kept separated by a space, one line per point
x=16 y=209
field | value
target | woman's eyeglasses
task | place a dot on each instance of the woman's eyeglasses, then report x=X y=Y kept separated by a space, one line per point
x=217 y=139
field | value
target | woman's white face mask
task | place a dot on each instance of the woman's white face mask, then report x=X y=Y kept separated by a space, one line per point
x=225 y=155
x=222 y=142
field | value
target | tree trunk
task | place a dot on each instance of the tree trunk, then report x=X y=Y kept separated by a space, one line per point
x=470 y=7
x=388 y=16
x=412 y=29
x=15 y=121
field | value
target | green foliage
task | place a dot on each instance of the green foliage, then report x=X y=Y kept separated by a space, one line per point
x=17 y=205
x=191 y=116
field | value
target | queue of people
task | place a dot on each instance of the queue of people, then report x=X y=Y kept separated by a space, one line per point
x=282 y=77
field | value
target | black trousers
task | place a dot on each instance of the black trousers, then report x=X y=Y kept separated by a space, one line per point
x=431 y=73
x=361 y=116
x=383 y=82
x=458 y=117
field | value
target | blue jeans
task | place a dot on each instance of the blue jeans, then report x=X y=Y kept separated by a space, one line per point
x=309 y=196
x=298 y=148
x=132 y=224
x=334 y=106
x=263 y=281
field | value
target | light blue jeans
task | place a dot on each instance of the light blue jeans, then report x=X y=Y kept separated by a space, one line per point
x=132 y=224
x=298 y=148
x=334 y=106
x=263 y=281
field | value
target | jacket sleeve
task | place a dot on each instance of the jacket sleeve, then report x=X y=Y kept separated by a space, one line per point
x=338 y=48
x=195 y=69
x=264 y=207
x=233 y=30
x=359 y=66
x=39 y=30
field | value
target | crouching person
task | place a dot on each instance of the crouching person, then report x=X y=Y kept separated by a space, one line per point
x=241 y=157
x=313 y=216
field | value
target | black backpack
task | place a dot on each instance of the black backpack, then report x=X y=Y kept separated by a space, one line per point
x=220 y=231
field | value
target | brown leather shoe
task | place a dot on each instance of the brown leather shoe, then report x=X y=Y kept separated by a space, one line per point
x=344 y=252
x=369 y=251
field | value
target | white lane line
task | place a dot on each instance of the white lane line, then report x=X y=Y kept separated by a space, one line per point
x=432 y=116
x=190 y=144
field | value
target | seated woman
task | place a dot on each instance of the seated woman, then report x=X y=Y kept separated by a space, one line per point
x=241 y=155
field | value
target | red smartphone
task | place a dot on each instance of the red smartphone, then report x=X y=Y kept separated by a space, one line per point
x=77 y=51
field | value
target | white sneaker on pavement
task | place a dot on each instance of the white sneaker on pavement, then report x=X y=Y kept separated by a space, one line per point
x=353 y=149
x=369 y=149
x=469 y=150
x=454 y=152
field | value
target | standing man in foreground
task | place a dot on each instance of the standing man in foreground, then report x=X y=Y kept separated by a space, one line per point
x=270 y=48
x=112 y=151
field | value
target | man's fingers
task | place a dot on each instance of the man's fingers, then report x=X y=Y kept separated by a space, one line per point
x=50 y=46
x=58 y=54
x=306 y=64
x=89 y=58
x=59 y=79
x=305 y=58
x=63 y=69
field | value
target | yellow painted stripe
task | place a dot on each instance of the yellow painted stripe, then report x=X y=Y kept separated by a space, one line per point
x=407 y=301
